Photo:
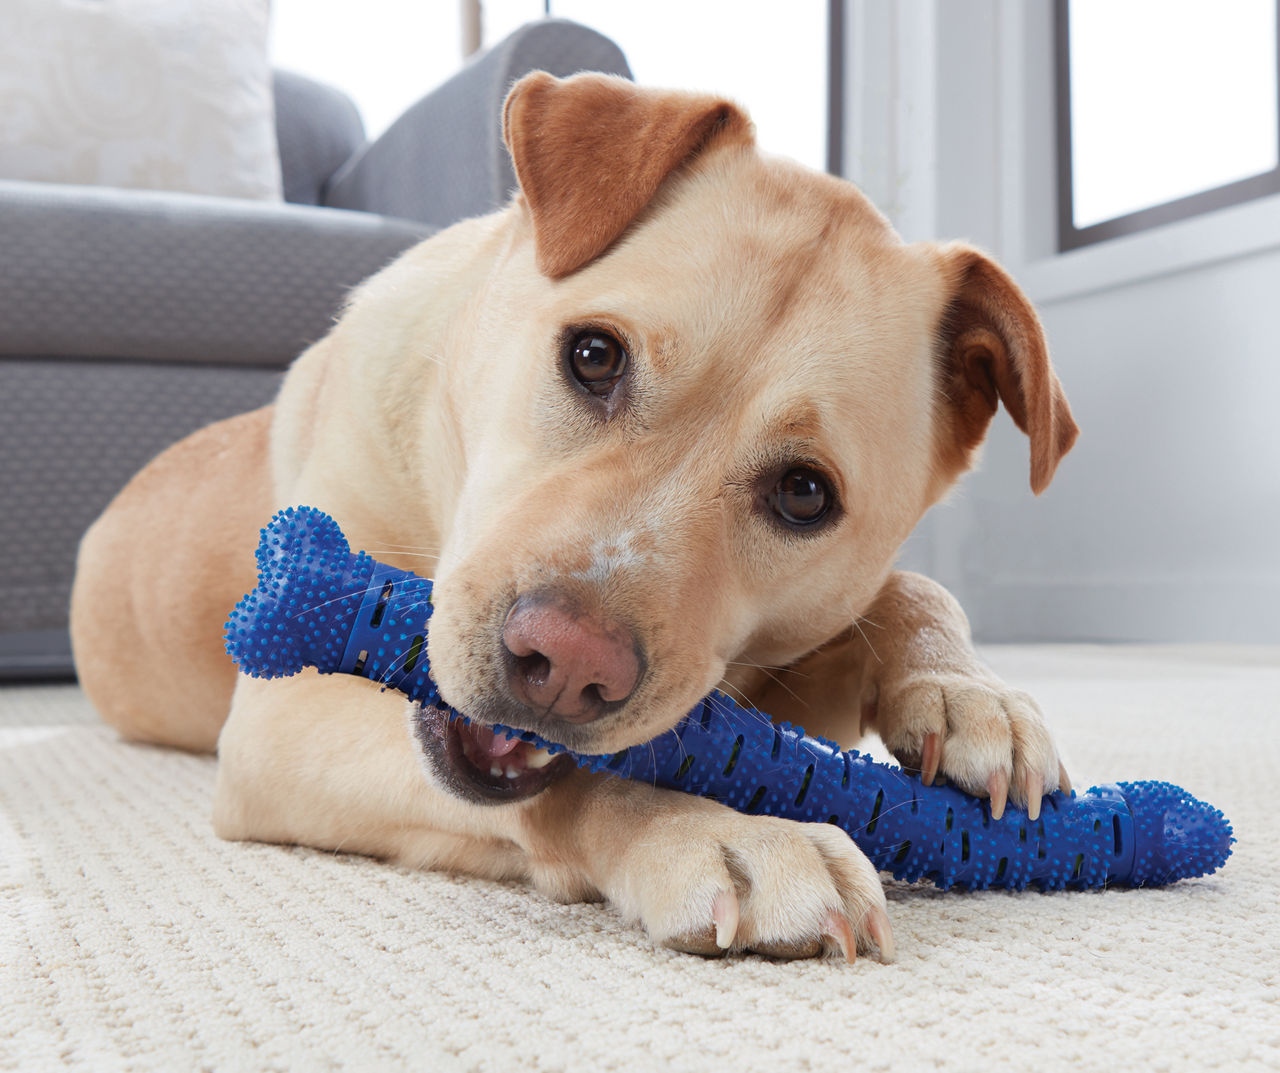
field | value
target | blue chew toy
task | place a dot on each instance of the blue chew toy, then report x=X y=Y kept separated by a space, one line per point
x=318 y=605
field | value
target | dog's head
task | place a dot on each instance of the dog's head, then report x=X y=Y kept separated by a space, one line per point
x=700 y=401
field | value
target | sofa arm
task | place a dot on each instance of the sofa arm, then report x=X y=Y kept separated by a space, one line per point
x=444 y=159
x=317 y=131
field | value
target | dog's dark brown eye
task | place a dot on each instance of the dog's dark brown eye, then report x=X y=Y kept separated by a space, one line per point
x=597 y=361
x=801 y=497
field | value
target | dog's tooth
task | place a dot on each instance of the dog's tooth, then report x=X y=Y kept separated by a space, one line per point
x=538 y=758
x=495 y=770
x=511 y=773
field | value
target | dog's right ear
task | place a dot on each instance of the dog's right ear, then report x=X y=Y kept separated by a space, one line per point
x=591 y=151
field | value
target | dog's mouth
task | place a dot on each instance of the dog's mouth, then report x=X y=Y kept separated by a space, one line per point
x=477 y=764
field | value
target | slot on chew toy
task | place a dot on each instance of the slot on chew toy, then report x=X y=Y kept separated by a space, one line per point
x=319 y=605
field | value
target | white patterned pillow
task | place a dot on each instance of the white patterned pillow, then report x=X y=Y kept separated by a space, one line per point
x=152 y=94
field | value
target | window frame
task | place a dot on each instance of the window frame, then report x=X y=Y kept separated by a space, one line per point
x=1070 y=237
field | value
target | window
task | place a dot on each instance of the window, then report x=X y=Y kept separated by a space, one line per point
x=782 y=65
x=1165 y=109
x=773 y=61
x=385 y=53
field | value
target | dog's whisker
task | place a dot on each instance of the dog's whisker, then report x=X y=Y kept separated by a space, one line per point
x=395 y=665
x=778 y=681
x=769 y=667
x=653 y=762
x=895 y=808
x=428 y=556
x=761 y=716
x=857 y=625
x=335 y=600
x=352 y=595
x=391 y=668
x=737 y=694
x=756 y=666
x=746 y=706
x=404 y=549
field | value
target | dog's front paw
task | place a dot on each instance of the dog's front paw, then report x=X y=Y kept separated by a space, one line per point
x=715 y=881
x=990 y=740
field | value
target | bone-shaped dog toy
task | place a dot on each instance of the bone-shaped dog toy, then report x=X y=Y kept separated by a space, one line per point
x=318 y=605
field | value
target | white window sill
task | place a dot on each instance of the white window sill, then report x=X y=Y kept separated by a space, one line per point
x=1248 y=228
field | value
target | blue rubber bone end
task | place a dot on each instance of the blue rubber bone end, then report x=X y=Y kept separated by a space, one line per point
x=318 y=605
x=1176 y=836
x=310 y=589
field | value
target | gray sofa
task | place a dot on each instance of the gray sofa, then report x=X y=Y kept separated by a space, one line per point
x=130 y=318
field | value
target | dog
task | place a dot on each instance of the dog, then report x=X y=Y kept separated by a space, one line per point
x=660 y=424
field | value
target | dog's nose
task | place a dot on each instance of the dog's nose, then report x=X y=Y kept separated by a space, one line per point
x=567 y=663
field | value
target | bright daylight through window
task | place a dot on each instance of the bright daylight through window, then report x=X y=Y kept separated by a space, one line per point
x=1166 y=108
x=386 y=53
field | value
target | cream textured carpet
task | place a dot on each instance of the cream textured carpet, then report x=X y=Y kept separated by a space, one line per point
x=131 y=938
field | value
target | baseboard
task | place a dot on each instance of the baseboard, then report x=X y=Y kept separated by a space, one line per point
x=1233 y=610
x=38 y=654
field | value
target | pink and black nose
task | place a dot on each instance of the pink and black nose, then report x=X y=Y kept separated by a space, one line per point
x=566 y=663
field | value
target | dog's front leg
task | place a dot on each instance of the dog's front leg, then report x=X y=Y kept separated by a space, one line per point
x=703 y=878
x=908 y=670
x=330 y=761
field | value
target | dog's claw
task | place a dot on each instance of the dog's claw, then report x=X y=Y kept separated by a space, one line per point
x=837 y=927
x=998 y=791
x=877 y=923
x=724 y=913
x=1033 y=786
x=930 y=758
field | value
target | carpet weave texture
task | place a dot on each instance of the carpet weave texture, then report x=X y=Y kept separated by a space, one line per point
x=131 y=938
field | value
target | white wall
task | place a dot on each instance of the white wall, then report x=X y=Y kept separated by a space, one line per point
x=1164 y=523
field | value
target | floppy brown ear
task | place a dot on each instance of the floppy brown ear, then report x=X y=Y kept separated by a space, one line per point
x=591 y=151
x=993 y=349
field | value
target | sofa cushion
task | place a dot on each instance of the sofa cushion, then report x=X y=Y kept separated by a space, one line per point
x=139 y=93
x=92 y=272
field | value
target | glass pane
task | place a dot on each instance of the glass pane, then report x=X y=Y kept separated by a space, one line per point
x=384 y=53
x=501 y=17
x=1168 y=98
x=770 y=59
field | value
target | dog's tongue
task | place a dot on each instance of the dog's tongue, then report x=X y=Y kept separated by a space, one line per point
x=492 y=744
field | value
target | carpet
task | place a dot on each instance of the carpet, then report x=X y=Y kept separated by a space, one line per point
x=132 y=939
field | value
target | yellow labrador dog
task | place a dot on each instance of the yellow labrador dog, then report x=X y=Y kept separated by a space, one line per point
x=661 y=423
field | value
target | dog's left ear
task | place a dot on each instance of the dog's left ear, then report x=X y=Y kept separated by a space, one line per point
x=591 y=151
x=993 y=349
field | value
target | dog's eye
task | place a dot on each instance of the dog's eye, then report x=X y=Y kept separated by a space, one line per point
x=801 y=497
x=597 y=361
